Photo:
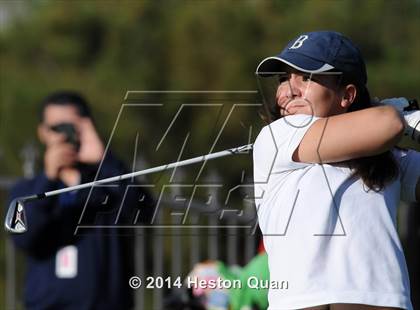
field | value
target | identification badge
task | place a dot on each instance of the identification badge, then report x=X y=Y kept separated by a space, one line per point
x=66 y=262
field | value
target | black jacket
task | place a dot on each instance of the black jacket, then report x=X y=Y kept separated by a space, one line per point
x=105 y=253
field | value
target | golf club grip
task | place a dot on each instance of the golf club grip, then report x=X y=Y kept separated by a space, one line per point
x=412 y=105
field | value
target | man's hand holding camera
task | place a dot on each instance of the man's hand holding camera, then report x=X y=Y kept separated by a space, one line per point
x=60 y=157
x=91 y=146
x=68 y=144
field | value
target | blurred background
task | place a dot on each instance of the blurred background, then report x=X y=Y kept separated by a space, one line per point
x=106 y=48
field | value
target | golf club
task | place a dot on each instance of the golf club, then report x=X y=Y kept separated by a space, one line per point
x=15 y=221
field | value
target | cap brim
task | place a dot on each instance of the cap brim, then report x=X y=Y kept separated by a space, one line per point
x=275 y=65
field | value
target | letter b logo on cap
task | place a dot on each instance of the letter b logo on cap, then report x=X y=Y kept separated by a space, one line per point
x=298 y=43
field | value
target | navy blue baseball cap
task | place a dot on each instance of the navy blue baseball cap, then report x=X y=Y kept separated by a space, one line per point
x=317 y=52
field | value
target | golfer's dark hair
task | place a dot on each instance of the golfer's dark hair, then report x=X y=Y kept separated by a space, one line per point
x=375 y=171
x=65 y=98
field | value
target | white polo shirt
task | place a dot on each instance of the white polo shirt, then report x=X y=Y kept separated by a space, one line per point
x=327 y=237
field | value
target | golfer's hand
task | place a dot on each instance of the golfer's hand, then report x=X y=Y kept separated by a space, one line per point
x=411 y=137
x=398 y=103
x=58 y=155
x=91 y=146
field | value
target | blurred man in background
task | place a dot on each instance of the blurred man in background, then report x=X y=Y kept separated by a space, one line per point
x=66 y=270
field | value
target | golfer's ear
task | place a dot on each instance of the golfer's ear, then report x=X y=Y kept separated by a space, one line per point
x=349 y=95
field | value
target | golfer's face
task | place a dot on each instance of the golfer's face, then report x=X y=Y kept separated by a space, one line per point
x=300 y=93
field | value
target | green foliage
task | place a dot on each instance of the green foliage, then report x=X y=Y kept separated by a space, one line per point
x=104 y=48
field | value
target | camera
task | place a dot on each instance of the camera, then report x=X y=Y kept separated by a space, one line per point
x=69 y=131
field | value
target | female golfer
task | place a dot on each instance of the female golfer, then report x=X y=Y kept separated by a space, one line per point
x=329 y=176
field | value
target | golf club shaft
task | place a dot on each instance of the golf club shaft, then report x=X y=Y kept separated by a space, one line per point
x=237 y=150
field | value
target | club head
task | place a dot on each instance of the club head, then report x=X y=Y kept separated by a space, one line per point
x=15 y=218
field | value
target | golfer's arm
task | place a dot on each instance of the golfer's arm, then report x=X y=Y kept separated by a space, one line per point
x=350 y=135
